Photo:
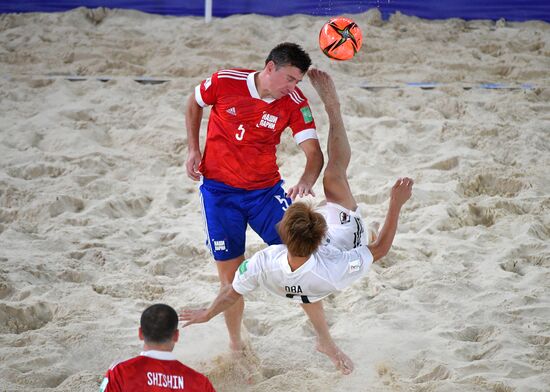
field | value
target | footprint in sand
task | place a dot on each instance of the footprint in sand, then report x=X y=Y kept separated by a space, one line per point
x=513 y=266
x=490 y=185
x=126 y=207
x=136 y=290
x=470 y=215
x=65 y=204
x=474 y=342
x=440 y=372
x=257 y=327
x=33 y=171
x=446 y=164
x=21 y=318
x=5 y=287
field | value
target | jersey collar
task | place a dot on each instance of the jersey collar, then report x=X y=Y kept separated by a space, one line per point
x=162 y=355
x=304 y=268
x=253 y=90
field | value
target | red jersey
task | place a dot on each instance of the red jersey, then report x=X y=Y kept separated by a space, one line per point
x=154 y=371
x=244 y=129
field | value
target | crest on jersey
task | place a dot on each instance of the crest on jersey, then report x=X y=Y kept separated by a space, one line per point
x=344 y=218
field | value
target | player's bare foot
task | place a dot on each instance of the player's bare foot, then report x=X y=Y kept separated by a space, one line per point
x=237 y=348
x=323 y=84
x=246 y=363
x=337 y=356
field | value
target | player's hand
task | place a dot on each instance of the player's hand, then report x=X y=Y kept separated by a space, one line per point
x=192 y=164
x=195 y=316
x=301 y=189
x=401 y=191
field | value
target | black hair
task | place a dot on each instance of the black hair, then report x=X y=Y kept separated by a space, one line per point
x=289 y=53
x=158 y=323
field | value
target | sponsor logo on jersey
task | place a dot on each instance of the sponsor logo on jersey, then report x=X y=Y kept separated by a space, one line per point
x=306 y=113
x=232 y=111
x=219 y=245
x=243 y=267
x=268 y=121
x=344 y=218
x=354 y=265
x=207 y=83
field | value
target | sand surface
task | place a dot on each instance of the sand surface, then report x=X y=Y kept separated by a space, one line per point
x=98 y=219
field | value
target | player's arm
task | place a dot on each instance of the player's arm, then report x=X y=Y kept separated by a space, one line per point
x=314 y=164
x=225 y=299
x=400 y=193
x=193 y=117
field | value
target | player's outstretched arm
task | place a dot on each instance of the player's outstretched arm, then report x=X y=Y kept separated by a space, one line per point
x=314 y=164
x=193 y=117
x=400 y=193
x=225 y=299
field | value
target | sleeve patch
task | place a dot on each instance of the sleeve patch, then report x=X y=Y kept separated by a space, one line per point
x=306 y=113
x=103 y=385
x=243 y=267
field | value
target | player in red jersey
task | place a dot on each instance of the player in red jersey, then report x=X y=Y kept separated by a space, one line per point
x=240 y=180
x=156 y=368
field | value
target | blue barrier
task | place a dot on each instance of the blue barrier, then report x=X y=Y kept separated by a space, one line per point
x=513 y=10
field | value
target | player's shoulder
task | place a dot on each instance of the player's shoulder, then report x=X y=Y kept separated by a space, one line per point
x=297 y=97
x=327 y=249
x=265 y=258
x=273 y=251
x=233 y=74
x=120 y=363
x=328 y=254
x=273 y=255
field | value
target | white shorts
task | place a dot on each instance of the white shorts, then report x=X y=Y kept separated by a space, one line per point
x=345 y=227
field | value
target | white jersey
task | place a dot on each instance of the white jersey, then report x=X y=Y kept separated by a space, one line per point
x=329 y=269
x=342 y=258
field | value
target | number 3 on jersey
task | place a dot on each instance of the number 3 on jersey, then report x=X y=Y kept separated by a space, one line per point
x=240 y=136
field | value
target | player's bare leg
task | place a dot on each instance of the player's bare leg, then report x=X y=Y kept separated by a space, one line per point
x=325 y=344
x=233 y=315
x=335 y=180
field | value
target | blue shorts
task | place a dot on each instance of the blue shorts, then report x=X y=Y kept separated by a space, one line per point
x=227 y=211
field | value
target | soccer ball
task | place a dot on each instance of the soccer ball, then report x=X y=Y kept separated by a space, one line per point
x=340 y=38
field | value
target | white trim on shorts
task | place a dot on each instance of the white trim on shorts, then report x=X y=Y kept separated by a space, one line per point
x=204 y=221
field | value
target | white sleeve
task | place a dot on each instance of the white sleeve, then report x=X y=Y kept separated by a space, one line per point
x=246 y=277
x=306 y=134
x=353 y=265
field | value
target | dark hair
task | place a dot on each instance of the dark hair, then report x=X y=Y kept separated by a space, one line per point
x=289 y=53
x=302 y=229
x=158 y=323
